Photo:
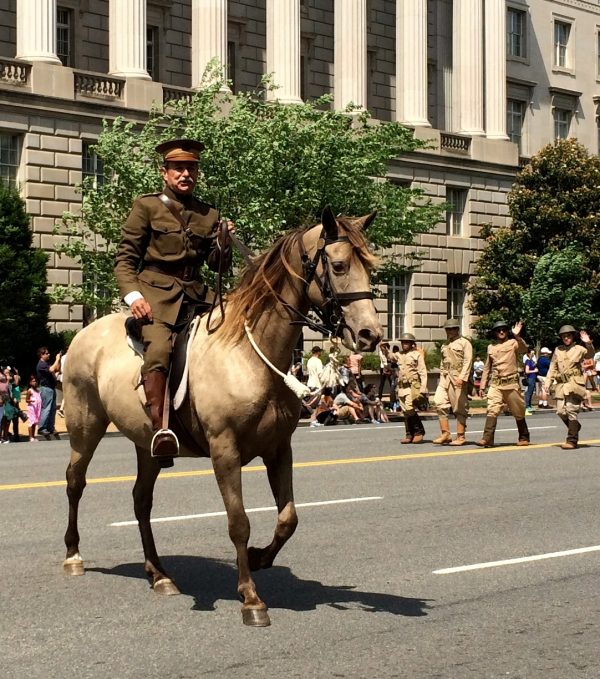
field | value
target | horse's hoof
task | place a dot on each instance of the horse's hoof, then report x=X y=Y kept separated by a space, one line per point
x=165 y=587
x=255 y=617
x=73 y=566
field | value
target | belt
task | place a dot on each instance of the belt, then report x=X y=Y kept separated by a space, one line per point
x=502 y=381
x=185 y=273
x=565 y=377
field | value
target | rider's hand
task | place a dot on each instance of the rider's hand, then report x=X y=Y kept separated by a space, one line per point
x=141 y=310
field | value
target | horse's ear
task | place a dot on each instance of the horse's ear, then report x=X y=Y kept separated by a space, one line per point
x=368 y=220
x=329 y=223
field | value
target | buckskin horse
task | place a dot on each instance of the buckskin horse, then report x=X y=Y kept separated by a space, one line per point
x=237 y=406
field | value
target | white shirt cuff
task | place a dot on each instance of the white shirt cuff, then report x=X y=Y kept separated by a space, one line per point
x=130 y=298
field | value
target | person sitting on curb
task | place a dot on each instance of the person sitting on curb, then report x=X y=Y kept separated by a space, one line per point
x=565 y=368
x=346 y=408
x=501 y=373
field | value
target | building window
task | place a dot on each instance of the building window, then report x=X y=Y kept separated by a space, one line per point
x=562 y=32
x=64 y=35
x=91 y=165
x=455 y=213
x=231 y=52
x=9 y=158
x=515 y=33
x=397 y=296
x=562 y=122
x=456 y=295
x=152 y=52
x=515 y=114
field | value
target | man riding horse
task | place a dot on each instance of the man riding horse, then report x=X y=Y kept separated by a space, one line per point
x=166 y=238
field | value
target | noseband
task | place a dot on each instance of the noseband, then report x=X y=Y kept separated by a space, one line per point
x=331 y=312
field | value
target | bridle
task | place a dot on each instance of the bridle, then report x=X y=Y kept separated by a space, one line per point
x=331 y=312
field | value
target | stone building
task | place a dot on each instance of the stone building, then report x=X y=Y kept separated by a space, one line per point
x=488 y=81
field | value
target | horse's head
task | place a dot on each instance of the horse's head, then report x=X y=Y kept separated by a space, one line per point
x=340 y=287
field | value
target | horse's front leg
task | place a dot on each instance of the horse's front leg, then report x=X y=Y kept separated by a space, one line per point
x=148 y=470
x=279 y=470
x=228 y=472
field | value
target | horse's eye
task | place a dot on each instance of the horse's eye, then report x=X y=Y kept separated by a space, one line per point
x=338 y=267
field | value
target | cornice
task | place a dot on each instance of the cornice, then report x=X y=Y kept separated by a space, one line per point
x=585 y=5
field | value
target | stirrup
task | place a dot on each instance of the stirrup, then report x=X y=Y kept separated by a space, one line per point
x=164 y=444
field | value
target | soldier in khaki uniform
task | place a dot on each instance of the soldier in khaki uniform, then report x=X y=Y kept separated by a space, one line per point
x=412 y=384
x=501 y=373
x=166 y=237
x=453 y=388
x=565 y=369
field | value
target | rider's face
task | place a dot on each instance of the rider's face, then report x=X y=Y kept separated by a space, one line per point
x=180 y=176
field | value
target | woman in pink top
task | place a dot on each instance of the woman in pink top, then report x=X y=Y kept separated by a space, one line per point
x=34 y=407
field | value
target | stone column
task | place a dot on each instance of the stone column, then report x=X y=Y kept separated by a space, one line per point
x=411 y=62
x=467 y=80
x=209 y=37
x=495 y=69
x=127 y=39
x=283 y=49
x=36 y=31
x=350 y=53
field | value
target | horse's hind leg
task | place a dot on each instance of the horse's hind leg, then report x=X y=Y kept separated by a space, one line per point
x=148 y=470
x=84 y=440
x=279 y=470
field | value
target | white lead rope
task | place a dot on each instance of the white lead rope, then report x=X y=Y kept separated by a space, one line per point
x=300 y=389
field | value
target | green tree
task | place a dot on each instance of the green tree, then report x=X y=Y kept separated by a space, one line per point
x=24 y=304
x=553 y=241
x=268 y=166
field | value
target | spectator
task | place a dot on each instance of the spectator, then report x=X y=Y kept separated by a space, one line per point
x=355 y=364
x=34 y=407
x=11 y=405
x=314 y=369
x=59 y=385
x=477 y=372
x=46 y=374
x=531 y=372
x=5 y=403
x=543 y=365
x=597 y=369
x=373 y=405
x=325 y=413
x=346 y=408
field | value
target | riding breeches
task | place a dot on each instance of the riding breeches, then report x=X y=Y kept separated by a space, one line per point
x=449 y=397
x=405 y=399
x=157 y=337
x=513 y=398
x=568 y=406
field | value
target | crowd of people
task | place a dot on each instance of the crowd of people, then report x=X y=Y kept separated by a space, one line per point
x=40 y=399
x=570 y=374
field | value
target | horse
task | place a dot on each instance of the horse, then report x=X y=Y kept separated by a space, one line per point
x=237 y=406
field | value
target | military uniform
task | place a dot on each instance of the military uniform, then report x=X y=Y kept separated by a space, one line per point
x=500 y=372
x=161 y=259
x=456 y=364
x=412 y=383
x=565 y=369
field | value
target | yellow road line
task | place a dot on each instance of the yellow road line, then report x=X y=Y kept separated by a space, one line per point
x=301 y=465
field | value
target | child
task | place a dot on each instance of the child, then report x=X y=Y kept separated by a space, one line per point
x=34 y=407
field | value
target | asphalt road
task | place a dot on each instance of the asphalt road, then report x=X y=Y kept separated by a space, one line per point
x=355 y=593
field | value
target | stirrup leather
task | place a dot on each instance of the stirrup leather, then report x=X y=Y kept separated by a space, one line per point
x=167 y=440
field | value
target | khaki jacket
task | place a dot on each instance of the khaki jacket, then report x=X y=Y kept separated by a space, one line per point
x=457 y=359
x=153 y=237
x=565 y=368
x=412 y=371
x=501 y=367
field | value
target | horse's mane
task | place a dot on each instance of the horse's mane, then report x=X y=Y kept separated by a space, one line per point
x=263 y=279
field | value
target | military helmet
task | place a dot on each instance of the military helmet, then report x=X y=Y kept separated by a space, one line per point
x=567 y=328
x=499 y=324
x=408 y=337
x=452 y=323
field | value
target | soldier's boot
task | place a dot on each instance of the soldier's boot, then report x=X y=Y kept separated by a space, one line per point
x=165 y=445
x=445 y=437
x=460 y=435
x=489 y=429
x=565 y=419
x=523 y=433
x=418 y=429
x=572 y=436
x=409 y=424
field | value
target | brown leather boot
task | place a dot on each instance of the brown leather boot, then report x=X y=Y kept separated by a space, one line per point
x=409 y=424
x=489 y=429
x=523 y=433
x=165 y=445
x=460 y=435
x=572 y=441
x=445 y=437
x=418 y=429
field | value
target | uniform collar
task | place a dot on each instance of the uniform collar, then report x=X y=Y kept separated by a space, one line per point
x=186 y=201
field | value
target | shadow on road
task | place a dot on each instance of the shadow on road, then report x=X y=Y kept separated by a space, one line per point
x=210 y=580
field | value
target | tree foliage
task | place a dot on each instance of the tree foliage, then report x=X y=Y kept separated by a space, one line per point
x=24 y=304
x=544 y=267
x=268 y=166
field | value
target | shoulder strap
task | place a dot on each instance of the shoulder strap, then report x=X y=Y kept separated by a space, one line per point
x=168 y=203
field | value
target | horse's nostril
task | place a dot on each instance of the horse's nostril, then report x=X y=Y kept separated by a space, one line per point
x=367 y=339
